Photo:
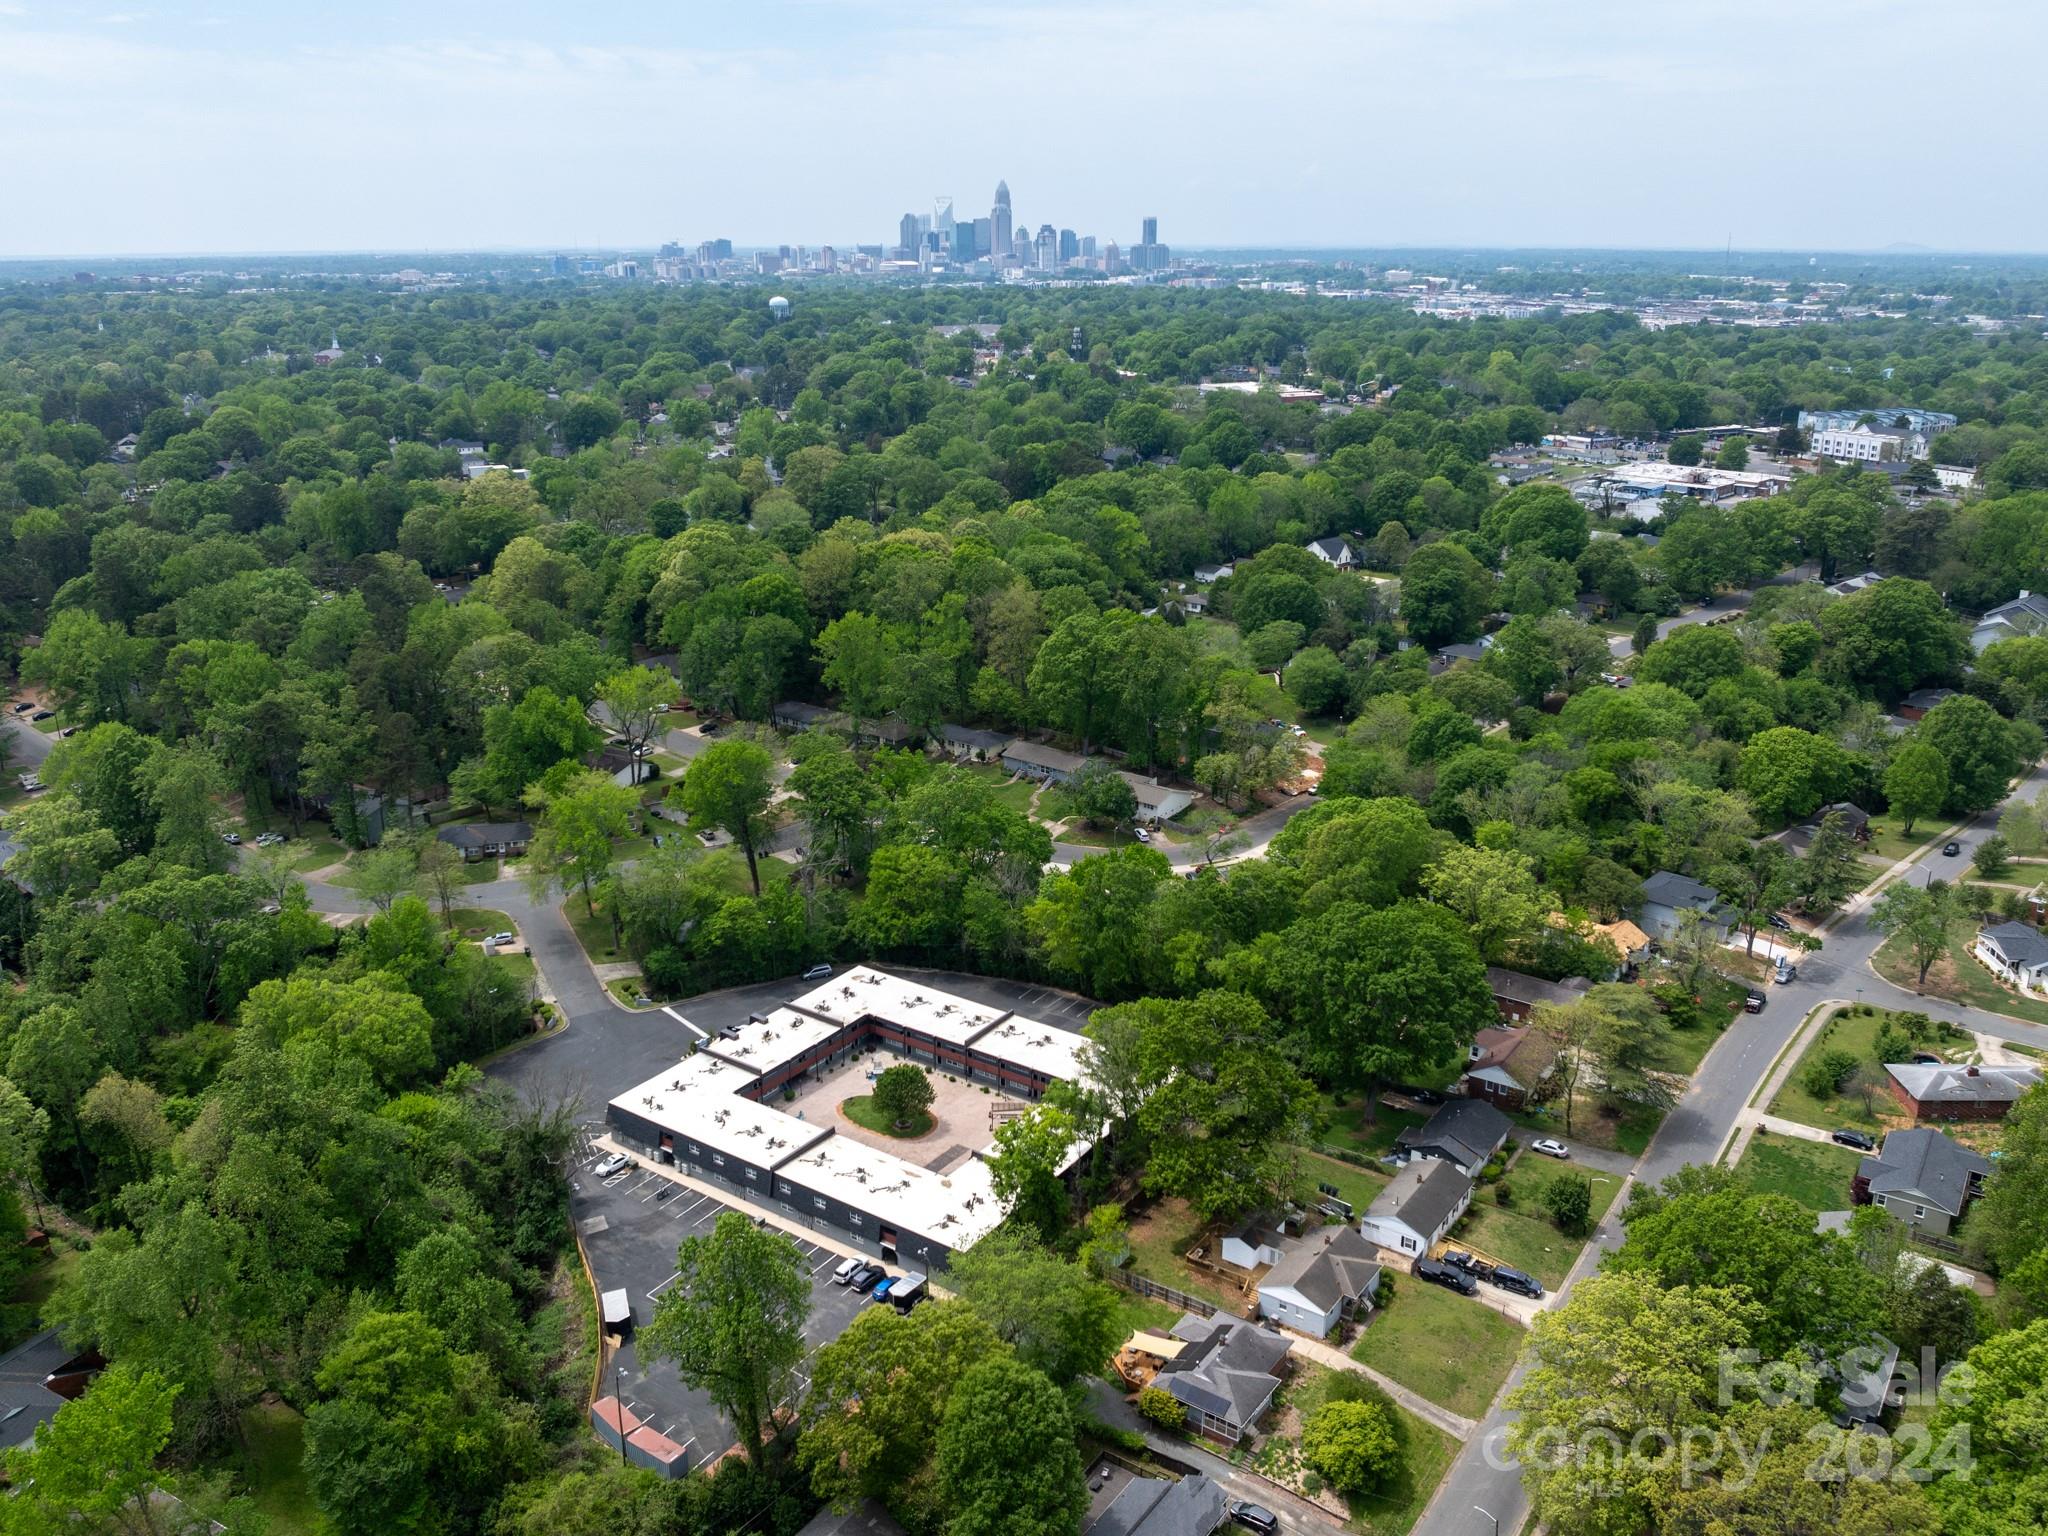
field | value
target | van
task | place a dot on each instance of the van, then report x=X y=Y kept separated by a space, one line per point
x=907 y=1292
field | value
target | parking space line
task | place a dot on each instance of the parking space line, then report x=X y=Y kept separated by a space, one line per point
x=655 y=1294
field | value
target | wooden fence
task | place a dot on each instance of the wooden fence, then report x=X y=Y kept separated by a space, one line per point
x=1165 y=1293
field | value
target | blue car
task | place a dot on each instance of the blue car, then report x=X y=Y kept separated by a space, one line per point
x=881 y=1291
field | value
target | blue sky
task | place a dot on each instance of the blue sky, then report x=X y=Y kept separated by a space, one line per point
x=453 y=124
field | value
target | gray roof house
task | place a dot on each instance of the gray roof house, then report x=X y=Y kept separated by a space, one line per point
x=1463 y=1132
x=1039 y=761
x=1666 y=895
x=37 y=1377
x=1226 y=1381
x=1125 y=1503
x=1942 y=1092
x=1322 y=1282
x=2015 y=952
x=2026 y=614
x=1208 y=573
x=1157 y=802
x=1922 y=1178
x=964 y=741
x=1333 y=551
x=487 y=839
x=1411 y=1215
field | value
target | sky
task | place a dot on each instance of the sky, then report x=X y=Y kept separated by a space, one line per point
x=375 y=125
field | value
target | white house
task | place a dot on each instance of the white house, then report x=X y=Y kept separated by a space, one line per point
x=1869 y=444
x=1322 y=1282
x=2016 y=953
x=2026 y=614
x=1210 y=573
x=1667 y=896
x=1334 y=551
x=1251 y=1246
x=1411 y=1215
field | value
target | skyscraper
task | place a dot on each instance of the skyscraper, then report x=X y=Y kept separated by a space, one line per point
x=942 y=221
x=1000 y=238
x=906 y=235
x=1048 y=248
x=1070 y=245
x=1151 y=229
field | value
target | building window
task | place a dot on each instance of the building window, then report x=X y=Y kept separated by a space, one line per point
x=1919 y=1213
x=818 y=1201
x=718 y=1159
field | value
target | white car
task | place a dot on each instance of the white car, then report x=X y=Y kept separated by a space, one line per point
x=845 y=1271
x=612 y=1165
x=503 y=938
x=233 y=839
x=1141 y=834
x=1550 y=1148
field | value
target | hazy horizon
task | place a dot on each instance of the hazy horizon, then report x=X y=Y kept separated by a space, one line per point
x=230 y=127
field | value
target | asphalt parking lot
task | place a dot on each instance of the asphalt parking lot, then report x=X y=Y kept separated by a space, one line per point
x=631 y=1225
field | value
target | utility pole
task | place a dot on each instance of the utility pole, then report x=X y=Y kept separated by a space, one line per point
x=619 y=1423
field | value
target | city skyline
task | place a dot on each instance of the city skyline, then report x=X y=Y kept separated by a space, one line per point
x=452 y=126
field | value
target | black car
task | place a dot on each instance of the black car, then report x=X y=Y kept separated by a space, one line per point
x=867 y=1277
x=1777 y=922
x=1423 y=1095
x=1951 y=849
x=1516 y=1281
x=1446 y=1276
x=1255 y=1517
x=1926 y=1059
x=1753 y=1003
x=1464 y=1261
x=1862 y=1141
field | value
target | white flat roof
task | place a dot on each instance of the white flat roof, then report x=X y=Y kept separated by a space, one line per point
x=1038 y=1047
x=782 y=1036
x=897 y=1001
x=958 y=1208
x=705 y=1107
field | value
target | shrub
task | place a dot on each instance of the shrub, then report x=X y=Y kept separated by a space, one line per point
x=1503 y=1193
x=1162 y=1408
x=1570 y=1202
x=1993 y=857
x=1353 y=1445
x=1826 y=1073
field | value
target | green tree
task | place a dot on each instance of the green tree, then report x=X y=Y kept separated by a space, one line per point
x=1788 y=773
x=856 y=655
x=2006 y=1487
x=728 y=785
x=1494 y=891
x=1922 y=914
x=1734 y=453
x=1685 y=449
x=1916 y=783
x=1104 y=796
x=1089 y=920
x=903 y=1093
x=1060 y=1319
x=1891 y=637
x=1570 y=1203
x=733 y=1323
x=1356 y=1446
x=2013 y=1217
x=523 y=741
x=637 y=699
x=1317 y=682
x=579 y=821
x=1444 y=594
x=1983 y=752
x=92 y=1467
x=1024 y=1169
x=1006 y=1458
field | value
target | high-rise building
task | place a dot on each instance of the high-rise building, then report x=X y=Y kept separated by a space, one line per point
x=942 y=221
x=1001 y=241
x=1151 y=229
x=1112 y=258
x=984 y=238
x=1148 y=255
x=906 y=235
x=1087 y=247
x=1048 y=248
x=1070 y=245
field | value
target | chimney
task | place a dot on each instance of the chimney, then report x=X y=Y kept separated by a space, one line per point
x=1969 y=1072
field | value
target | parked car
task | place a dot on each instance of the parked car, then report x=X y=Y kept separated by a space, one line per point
x=24 y=707
x=67 y=733
x=1461 y=1260
x=1141 y=834
x=1753 y=1002
x=1446 y=1276
x=1550 y=1146
x=882 y=1288
x=503 y=938
x=1255 y=1517
x=44 y=714
x=817 y=973
x=1777 y=922
x=845 y=1271
x=1787 y=971
x=1515 y=1280
x=867 y=1277
x=232 y=839
x=1422 y=1095
x=616 y=1163
x=1951 y=848
x=269 y=839
x=1926 y=1059
x=1862 y=1141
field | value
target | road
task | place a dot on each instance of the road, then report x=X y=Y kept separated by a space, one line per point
x=1701 y=1123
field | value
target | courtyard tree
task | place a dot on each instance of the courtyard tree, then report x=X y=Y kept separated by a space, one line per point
x=903 y=1093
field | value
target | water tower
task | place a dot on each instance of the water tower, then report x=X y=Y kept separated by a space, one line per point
x=779 y=308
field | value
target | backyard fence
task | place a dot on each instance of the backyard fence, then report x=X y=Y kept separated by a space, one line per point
x=1165 y=1293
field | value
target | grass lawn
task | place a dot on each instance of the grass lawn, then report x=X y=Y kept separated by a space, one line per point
x=1095 y=837
x=273 y=1464
x=627 y=989
x=1955 y=975
x=1888 y=844
x=1360 y=1186
x=1533 y=1174
x=1853 y=1030
x=1816 y=1176
x=1628 y=1130
x=862 y=1111
x=594 y=933
x=1348 y=1126
x=1135 y=1312
x=311 y=853
x=1015 y=796
x=1448 y=1348
x=521 y=966
x=1159 y=1238
x=1426 y=1450
x=1527 y=1239
x=475 y=922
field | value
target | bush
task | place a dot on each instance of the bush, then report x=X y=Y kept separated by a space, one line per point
x=1162 y=1408
x=1824 y=1075
x=1503 y=1193
x=1354 y=1445
x=1570 y=1202
x=1385 y=1293
x=1993 y=857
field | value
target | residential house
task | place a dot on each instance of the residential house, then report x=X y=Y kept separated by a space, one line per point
x=1126 y=1503
x=1515 y=994
x=1193 y=602
x=1467 y=650
x=1855 y=821
x=327 y=357
x=478 y=840
x=1629 y=941
x=2017 y=953
x=1462 y=1132
x=1914 y=706
x=1334 y=551
x=37 y=1377
x=1849 y=584
x=1412 y=1214
x=1667 y=895
x=1507 y=1066
x=1941 y=1092
x=1252 y=1245
x=1206 y=574
x=125 y=449
x=1035 y=760
x=1323 y=1281
x=1922 y=1178
x=1157 y=802
x=1863 y=1378
x=966 y=744
x=795 y=715
x=2026 y=614
x=1226 y=1375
